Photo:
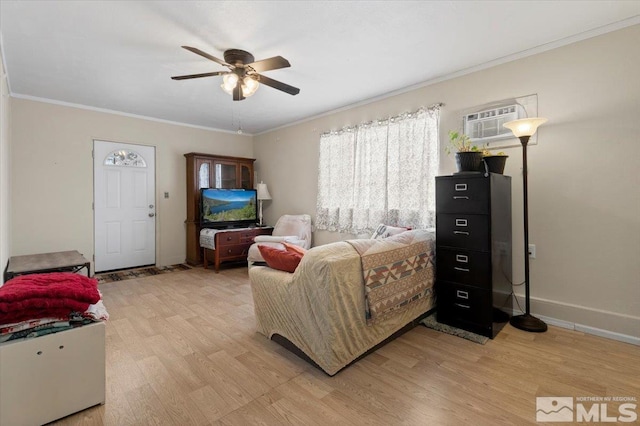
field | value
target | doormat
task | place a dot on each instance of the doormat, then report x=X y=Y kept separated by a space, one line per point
x=430 y=322
x=128 y=274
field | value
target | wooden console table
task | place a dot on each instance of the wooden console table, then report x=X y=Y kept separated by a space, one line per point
x=233 y=245
x=63 y=261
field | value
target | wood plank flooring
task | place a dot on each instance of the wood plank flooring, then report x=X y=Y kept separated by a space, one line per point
x=182 y=350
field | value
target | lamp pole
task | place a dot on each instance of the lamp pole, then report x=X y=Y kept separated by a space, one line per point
x=523 y=129
x=525 y=196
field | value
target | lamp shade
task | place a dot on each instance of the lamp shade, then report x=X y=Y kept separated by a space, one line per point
x=263 y=192
x=249 y=86
x=229 y=82
x=525 y=126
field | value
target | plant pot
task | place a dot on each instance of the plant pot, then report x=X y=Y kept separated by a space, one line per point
x=496 y=163
x=469 y=161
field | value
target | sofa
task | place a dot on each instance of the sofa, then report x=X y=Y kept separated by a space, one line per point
x=347 y=297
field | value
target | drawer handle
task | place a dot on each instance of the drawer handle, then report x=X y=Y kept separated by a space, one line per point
x=462 y=258
x=39 y=353
x=229 y=251
x=460 y=305
x=462 y=294
x=460 y=197
x=461 y=222
x=461 y=269
x=229 y=238
x=460 y=232
x=461 y=186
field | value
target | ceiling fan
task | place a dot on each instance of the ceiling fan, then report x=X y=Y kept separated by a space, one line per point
x=243 y=78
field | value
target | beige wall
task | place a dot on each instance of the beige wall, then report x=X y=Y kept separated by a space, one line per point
x=584 y=185
x=5 y=230
x=52 y=174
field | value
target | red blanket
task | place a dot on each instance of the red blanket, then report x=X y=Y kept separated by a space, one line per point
x=43 y=295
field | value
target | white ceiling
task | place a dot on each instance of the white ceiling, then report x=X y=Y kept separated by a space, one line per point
x=120 y=55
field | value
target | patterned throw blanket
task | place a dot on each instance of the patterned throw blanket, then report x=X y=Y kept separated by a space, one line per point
x=397 y=271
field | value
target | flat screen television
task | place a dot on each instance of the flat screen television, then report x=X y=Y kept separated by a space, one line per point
x=228 y=208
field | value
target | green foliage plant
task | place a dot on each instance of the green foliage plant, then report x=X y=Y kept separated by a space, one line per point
x=459 y=142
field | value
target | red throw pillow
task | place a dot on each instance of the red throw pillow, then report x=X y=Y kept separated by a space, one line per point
x=280 y=259
x=294 y=248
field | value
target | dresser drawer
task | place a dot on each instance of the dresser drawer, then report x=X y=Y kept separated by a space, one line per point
x=464 y=266
x=247 y=236
x=462 y=195
x=228 y=238
x=457 y=302
x=462 y=230
x=229 y=252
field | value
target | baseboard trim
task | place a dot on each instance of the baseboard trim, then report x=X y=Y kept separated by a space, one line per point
x=611 y=325
x=558 y=323
x=590 y=330
x=608 y=334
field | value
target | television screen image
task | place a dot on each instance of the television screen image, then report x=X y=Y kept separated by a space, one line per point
x=232 y=206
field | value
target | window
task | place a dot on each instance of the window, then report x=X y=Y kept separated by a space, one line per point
x=379 y=172
x=125 y=157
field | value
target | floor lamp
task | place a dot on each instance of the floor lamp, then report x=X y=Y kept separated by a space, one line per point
x=523 y=130
x=263 y=194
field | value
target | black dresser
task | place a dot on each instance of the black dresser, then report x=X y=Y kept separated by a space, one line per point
x=473 y=251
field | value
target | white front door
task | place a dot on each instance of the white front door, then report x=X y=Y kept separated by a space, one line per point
x=124 y=205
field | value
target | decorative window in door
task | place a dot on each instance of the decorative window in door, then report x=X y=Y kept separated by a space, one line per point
x=125 y=157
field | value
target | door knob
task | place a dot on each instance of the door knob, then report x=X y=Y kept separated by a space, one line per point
x=152 y=214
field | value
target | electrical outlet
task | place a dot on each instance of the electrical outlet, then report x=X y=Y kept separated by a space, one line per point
x=166 y=195
x=532 y=251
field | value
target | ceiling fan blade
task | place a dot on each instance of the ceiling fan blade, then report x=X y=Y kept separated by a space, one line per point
x=207 y=74
x=237 y=93
x=277 y=84
x=206 y=55
x=274 y=63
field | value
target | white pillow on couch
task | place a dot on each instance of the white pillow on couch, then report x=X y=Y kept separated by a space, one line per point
x=384 y=231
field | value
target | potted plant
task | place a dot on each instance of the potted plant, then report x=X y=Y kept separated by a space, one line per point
x=495 y=162
x=468 y=156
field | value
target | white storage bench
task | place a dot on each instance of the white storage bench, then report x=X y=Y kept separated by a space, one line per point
x=45 y=378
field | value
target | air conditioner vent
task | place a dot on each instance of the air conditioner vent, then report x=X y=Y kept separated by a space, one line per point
x=485 y=125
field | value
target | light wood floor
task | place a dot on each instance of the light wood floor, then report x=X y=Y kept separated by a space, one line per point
x=182 y=350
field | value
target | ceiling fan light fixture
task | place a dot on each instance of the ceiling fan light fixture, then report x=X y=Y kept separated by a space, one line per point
x=243 y=78
x=229 y=82
x=249 y=86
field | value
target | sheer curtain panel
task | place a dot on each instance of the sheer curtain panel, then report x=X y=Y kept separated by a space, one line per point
x=379 y=172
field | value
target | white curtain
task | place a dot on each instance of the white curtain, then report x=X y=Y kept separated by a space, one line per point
x=379 y=172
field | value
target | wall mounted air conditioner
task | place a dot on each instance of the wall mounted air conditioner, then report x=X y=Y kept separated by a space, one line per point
x=486 y=125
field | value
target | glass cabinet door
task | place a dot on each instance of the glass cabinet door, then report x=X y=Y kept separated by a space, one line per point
x=204 y=174
x=245 y=177
x=225 y=175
